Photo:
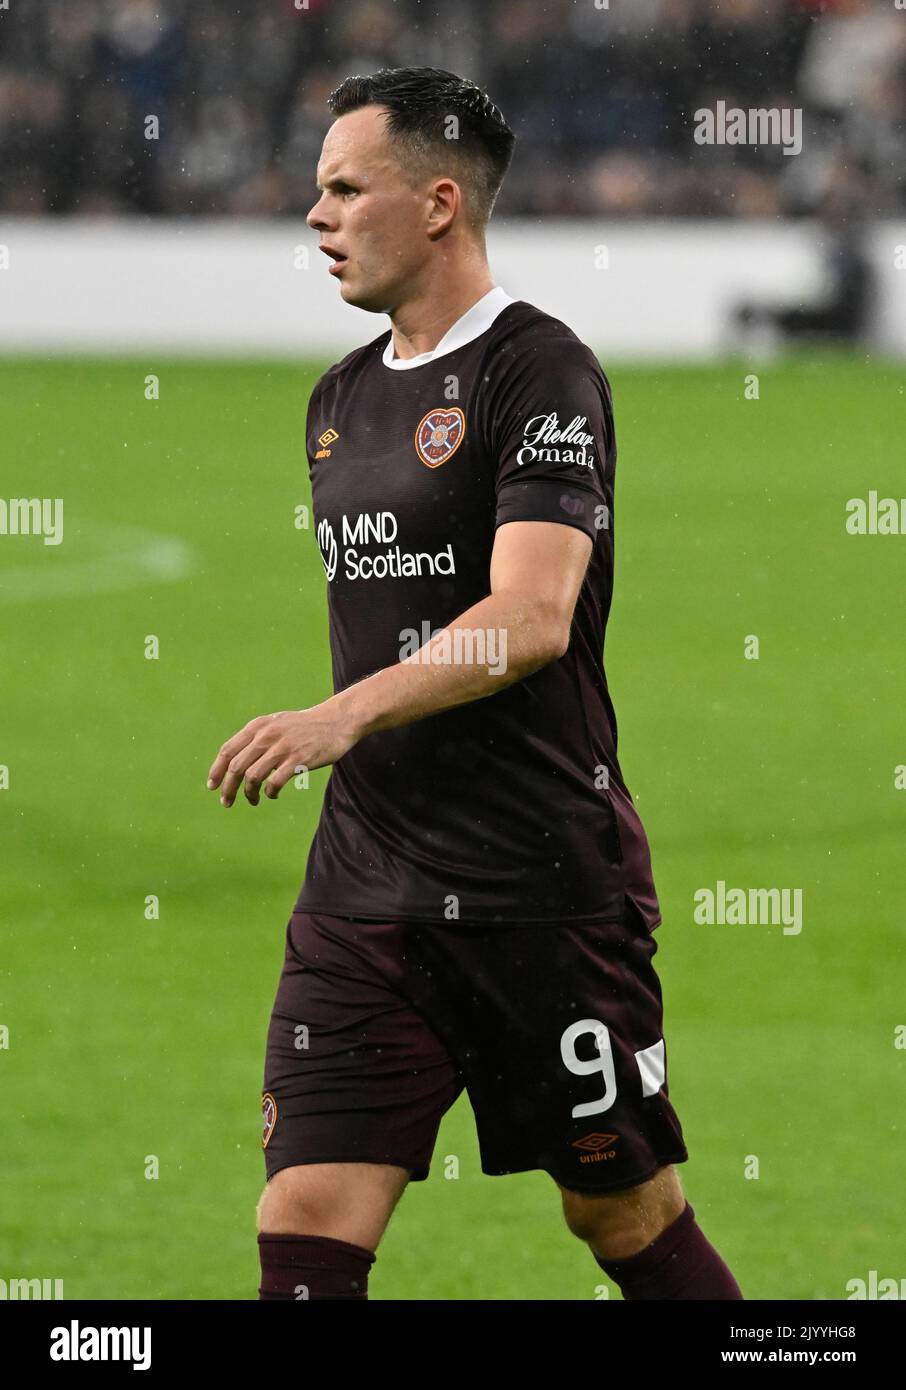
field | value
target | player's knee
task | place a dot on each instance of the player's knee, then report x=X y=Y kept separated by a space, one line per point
x=295 y=1203
x=345 y=1201
x=580 y=1215
x=619 y=1224
x=609 y=1227
x=600 y=1220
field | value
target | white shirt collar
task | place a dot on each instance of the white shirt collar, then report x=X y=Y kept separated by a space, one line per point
x=474 y=322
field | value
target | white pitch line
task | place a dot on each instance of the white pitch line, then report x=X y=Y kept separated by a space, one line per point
x=130 y=558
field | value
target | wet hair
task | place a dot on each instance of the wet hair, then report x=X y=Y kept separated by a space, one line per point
x=420 y=102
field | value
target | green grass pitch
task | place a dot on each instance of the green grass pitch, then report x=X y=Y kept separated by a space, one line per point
x=130 y=1038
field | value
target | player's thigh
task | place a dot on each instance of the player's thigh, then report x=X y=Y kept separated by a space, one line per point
x=563 y=1052
x=619 y=1224
x=344 y=1201
x=354 y=1078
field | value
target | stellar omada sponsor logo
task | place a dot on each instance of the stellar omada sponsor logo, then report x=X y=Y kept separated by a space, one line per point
x=357 y=538
x=573 y=444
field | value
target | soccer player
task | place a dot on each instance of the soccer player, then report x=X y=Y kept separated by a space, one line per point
x=478 y=908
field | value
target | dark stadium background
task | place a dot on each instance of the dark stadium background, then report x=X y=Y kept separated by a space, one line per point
x=602 y=109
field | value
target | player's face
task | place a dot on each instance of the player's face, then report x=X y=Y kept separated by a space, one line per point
x=369 y=217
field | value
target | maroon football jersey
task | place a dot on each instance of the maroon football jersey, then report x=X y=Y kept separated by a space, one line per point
x=510 y=809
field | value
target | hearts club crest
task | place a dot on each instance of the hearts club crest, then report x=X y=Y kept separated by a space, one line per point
x=269 y=1116
x=439 y=435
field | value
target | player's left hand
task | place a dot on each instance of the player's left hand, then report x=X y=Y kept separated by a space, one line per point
x=275 y=747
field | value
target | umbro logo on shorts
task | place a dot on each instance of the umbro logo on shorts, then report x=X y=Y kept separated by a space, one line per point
x=595 y=1142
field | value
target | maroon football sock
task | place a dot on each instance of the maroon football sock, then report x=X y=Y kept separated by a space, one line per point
x=680 y=1263
x=300 y=1268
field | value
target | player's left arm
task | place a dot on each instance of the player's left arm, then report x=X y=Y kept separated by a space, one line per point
x=537 y=570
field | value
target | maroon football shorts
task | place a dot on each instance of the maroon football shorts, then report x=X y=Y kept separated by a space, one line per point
x=554 y=1031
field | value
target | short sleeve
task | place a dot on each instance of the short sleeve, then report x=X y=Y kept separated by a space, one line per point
x=550 y=430
x=312 y=415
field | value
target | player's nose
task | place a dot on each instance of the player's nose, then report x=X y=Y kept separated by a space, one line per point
x=317 y=218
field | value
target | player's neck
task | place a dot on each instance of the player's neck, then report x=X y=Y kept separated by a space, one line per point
x=420 y=323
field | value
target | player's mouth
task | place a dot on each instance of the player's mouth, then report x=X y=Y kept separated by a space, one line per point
x=339 y=260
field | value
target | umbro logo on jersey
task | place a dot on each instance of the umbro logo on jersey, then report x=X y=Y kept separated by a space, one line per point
x=324 y=439
x=439 y=435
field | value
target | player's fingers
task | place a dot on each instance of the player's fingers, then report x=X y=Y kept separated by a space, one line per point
x=233 y=746
x=259 y=770
x=238 y=768
x=279 y=778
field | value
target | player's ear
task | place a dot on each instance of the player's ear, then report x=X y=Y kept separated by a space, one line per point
x=445 y=206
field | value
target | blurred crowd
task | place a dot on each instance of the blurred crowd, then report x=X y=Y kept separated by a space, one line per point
x=601 y=95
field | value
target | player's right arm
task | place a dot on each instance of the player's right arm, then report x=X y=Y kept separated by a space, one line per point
x=537 y=569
